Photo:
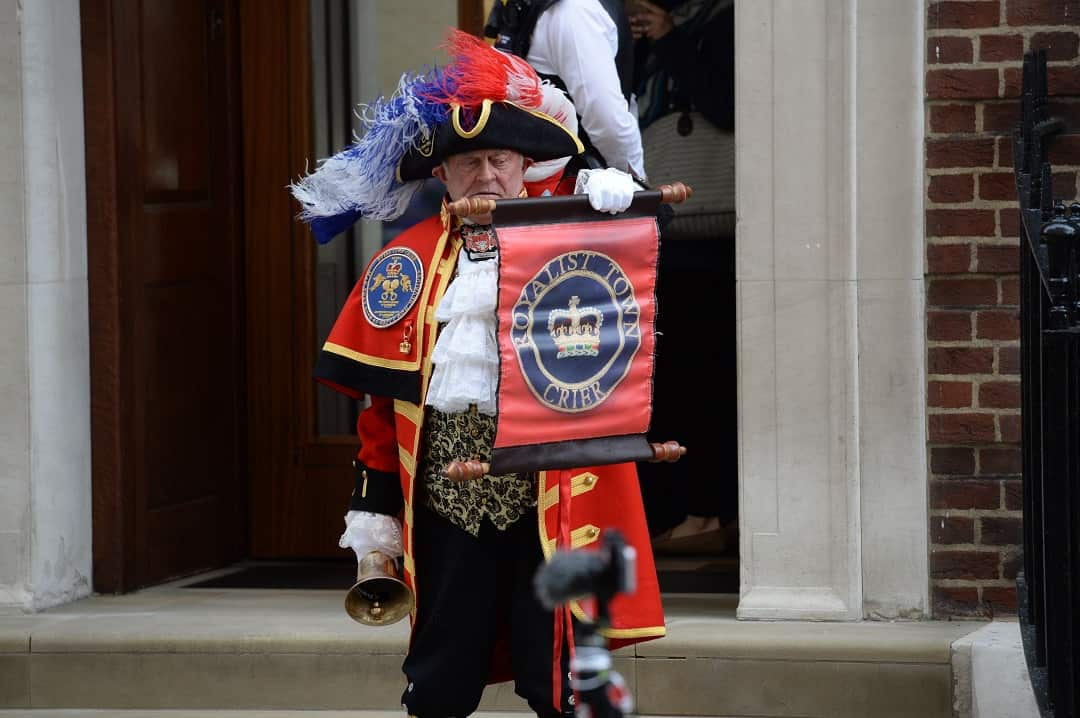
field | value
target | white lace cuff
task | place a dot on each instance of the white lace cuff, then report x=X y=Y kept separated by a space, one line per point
x=366 y=532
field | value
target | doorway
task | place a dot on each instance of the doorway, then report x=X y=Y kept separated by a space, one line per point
x=356 y=56
x=686 y=110
x=212 y=444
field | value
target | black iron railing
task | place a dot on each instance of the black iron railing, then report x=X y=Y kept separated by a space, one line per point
x=1049 y=585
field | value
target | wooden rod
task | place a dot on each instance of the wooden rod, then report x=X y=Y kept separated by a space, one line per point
x=476 y=206
x=666 y=452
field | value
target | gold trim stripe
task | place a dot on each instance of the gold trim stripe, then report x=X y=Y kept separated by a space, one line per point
x=436 y=257
x=481 y=123
x=645 y=632
x=584 y=535
x=356 y=356
x=642 y=632
x=581 y=536
x=415 y=412
x=407 y=460
x=410 y=411
x=579 y=484
x=548 y=499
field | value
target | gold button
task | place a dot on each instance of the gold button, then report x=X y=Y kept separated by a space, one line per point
x=589 y=480
x=593 y=532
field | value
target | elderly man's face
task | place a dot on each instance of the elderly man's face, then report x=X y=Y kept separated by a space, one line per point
x=488 y=174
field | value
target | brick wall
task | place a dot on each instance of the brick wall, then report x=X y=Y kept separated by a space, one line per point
x=974 y=52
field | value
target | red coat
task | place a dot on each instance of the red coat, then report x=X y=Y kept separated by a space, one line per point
x=392 y=364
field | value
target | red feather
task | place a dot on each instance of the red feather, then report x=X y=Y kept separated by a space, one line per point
x=478 y=72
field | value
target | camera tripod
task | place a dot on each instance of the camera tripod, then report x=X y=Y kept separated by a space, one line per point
x=600 y=690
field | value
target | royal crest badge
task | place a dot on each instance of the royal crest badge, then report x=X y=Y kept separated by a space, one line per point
x=392 y=285
x=576 y=330
x=480 y=241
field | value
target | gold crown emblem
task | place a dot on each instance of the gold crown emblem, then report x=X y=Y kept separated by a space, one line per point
x=576 y=332
x=393 y=269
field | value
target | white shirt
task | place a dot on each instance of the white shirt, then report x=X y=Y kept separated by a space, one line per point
x=577 y=40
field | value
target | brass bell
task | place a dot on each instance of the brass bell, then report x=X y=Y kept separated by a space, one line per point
x=379 y=597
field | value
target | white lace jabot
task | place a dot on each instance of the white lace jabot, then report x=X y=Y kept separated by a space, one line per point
x=466 y=356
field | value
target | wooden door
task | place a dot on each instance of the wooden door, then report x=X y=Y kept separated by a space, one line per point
x=165 y=285
x=297 y=479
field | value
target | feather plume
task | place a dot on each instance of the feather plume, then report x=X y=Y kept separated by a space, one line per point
x=361 y=180
x=362 y=177
x=479 y=72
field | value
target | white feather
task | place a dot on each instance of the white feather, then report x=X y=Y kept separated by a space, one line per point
x=363 y=176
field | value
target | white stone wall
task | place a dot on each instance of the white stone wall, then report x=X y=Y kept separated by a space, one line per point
x=829 y=276
x=14 y=371
x=990 y=674
x=45 y=499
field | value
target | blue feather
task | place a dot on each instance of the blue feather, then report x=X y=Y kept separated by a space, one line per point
x=361 y=180
x=326 y=228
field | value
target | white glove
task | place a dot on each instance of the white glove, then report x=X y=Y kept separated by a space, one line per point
x=366 y=532
x=610 y=190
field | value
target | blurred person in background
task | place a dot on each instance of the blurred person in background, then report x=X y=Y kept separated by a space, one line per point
x=584 y=47
x=684 y=80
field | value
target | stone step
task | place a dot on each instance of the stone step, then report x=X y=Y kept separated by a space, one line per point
x=269 y=652
x=137 y=713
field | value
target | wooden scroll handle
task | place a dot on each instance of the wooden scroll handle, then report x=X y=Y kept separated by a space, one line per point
x=474 y=206
x=668 y=452
x=675 y=192
x=469 y=206
x=466 y=470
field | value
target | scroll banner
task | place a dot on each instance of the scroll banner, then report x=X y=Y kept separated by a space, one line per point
x=576 y=311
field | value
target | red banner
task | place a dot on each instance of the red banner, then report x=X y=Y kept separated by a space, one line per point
x=576 y=340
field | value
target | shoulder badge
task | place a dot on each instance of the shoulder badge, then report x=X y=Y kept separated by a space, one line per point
x=392 y=284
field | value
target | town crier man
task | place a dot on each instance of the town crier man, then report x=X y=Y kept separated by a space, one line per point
x=417 y=337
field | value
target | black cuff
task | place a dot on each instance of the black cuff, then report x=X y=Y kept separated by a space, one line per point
x=376 y=491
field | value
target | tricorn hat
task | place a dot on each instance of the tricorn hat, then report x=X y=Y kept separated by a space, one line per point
x=483 y=99
x=497 y=125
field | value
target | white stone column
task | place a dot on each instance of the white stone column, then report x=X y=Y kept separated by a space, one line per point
x=829 y=276
x=14 y=372
x=45 y=498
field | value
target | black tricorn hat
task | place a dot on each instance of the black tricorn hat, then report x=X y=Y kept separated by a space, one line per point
x=498 y=126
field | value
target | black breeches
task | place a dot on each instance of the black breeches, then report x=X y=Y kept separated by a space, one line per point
x=467 y=587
